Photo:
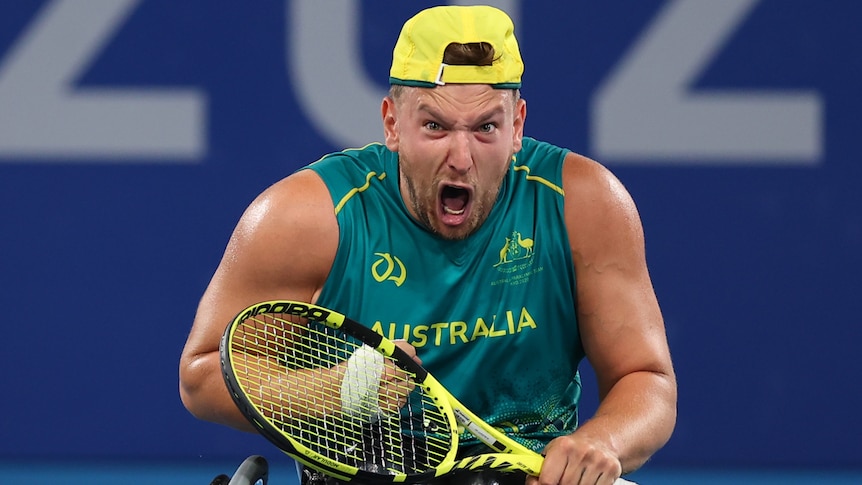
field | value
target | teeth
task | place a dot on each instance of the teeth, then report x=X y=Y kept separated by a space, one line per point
x=454 y=212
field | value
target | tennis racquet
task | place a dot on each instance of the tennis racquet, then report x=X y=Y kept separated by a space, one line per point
x=344 y=400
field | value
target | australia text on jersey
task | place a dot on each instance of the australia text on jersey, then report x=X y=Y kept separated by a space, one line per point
x=458 y=332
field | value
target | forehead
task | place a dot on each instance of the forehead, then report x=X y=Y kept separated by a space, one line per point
x=458 y=97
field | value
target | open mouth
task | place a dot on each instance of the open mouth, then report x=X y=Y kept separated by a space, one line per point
x=454 y=200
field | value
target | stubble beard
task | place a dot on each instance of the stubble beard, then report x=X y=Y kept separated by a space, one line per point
x=424 y=205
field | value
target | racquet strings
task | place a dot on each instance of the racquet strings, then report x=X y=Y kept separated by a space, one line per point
x=293 y=371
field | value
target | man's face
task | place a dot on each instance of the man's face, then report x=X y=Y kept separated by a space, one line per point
x=455 y=144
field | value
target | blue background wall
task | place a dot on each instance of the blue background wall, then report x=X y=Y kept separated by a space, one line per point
x=134 y=133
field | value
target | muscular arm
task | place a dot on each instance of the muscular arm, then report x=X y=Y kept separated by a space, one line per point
x=282 y=248
x=622 y=331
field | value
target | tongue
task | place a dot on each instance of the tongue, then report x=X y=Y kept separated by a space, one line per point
x=455 y=201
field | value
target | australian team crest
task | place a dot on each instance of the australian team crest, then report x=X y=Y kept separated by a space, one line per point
x=515 y=248
x=516 y=263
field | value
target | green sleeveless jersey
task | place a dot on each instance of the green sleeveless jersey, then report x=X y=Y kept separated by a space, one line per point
x=492 y=316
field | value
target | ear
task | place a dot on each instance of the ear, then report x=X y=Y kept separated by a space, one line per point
x=518 y=124
x=390 y=123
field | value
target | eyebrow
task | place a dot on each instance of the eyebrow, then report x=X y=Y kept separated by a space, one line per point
x=483 y=117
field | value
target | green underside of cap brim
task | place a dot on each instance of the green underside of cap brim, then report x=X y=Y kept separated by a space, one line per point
x=425 y=84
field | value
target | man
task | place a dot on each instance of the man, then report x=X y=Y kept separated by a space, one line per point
x=481 y=248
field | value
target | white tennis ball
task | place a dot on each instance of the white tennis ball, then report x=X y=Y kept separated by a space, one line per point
x=361 y=383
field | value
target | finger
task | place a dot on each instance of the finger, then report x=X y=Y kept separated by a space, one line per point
x=591 y=477
x=409 y=349
x=600 y=475
x=556 y=471
x=616 y=481
x=393 y=394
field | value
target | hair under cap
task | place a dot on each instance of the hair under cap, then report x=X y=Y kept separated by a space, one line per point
x=417 y=59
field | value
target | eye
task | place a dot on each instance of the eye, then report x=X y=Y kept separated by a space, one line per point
x=487 y=127
x=433 y=125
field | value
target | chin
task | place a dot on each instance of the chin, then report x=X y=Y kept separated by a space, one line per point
x=457 y=233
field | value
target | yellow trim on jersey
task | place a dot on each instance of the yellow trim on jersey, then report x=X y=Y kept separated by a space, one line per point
x=534 y=178
x=343 y=151
x=358 y=190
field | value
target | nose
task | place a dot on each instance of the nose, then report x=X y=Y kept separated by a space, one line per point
x=460 y=157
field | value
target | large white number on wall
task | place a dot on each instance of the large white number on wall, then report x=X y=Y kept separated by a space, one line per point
x=44 y=116
x=324 y=61
x=646 y=110
x=324 y=55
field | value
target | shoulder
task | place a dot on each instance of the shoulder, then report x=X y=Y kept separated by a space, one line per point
x=297 y=198
x=282 y=247
x=353 y=162
x=290 y=229
x=540 y=155
x=598 y=208
x=308 y=193
x=533 y=148
x=354 y=169
x=583 y=176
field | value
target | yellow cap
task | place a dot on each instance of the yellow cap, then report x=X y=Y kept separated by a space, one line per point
x=417 y=59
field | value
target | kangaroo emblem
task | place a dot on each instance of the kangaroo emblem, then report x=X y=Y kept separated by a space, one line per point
x=516 y=247
x=504 y=253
